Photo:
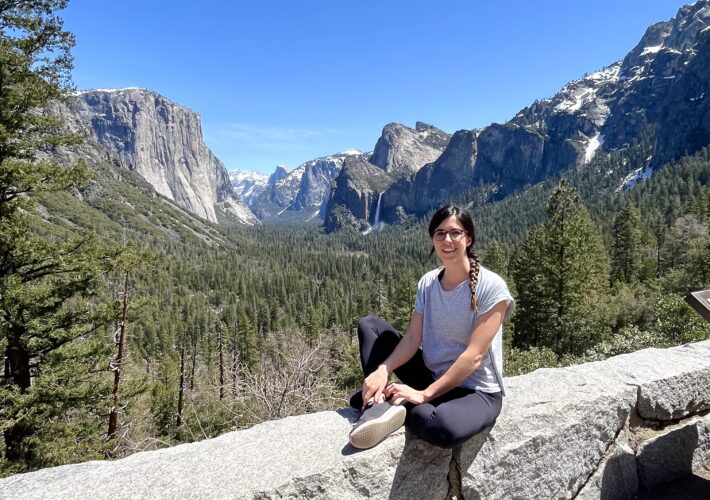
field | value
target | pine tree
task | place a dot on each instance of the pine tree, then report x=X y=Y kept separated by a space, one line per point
x=495 y=258
x=626 y=247
x=50 y=284
x=561 y=274
x=534 y=304
x=248 y=343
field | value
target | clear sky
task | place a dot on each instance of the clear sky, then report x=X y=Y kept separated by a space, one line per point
x=286 y=81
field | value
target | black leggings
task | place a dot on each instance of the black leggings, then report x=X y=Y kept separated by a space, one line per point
x=445 y=421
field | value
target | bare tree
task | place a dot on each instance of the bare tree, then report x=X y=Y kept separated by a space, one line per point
x=296 y=380
x=116 y=363
x=220 y=348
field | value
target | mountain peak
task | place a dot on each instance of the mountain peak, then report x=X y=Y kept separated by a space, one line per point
x=350 y=152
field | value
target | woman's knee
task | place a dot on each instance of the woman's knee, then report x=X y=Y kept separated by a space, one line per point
x=442 y=436
x=374 y=325
x=367 y=323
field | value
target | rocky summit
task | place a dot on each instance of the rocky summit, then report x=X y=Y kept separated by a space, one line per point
x=606 y=429
x=400 y=152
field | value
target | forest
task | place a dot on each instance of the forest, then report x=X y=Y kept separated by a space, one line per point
x=126 y=324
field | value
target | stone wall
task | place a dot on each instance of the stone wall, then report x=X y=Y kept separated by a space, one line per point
x=598 y=430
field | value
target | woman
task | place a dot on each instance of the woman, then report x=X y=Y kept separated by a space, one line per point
x=451 y=388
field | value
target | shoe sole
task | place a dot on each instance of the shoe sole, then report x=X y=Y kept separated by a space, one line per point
x=375 y=431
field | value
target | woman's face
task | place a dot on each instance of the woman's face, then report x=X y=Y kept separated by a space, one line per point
x=448 y=249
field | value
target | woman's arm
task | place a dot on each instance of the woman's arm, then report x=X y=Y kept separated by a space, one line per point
x=406 y=348
x=467 y=362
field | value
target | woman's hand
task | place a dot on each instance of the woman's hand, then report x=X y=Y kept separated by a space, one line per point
x=374 y=384
x=402 y=391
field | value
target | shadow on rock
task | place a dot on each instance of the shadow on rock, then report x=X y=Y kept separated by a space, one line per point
x=620 y=479
x=421 y=472
x=462 y=460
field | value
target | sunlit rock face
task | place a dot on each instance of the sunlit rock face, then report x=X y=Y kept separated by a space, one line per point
x=358 y=191
x=162 y=141
x=402 y=151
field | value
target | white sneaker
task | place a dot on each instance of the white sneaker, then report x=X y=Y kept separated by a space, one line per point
x=376 y=422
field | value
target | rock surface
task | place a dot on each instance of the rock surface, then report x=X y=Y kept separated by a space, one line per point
x=674 y=451
x=401 y=151
x=355 y=194
x=162 y=141
x=616 y=476
x=562 y=434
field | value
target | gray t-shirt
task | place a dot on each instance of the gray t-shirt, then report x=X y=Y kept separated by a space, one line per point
x=449 y=322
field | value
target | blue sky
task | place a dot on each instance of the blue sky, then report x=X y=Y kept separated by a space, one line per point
x=283 y=82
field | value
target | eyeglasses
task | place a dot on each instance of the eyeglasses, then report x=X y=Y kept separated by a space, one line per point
x=455 y=234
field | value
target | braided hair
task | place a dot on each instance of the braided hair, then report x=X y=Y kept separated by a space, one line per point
x=464 y=218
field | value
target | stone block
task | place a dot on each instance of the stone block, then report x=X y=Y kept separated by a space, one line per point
x=674 y=452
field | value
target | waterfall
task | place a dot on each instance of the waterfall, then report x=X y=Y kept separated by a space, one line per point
x=376 y=225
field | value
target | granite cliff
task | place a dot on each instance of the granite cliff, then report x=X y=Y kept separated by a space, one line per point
x=356 y=197
x=162 y=142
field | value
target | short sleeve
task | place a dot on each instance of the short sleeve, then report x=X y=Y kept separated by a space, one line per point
x=491 y=290
x=420 y=299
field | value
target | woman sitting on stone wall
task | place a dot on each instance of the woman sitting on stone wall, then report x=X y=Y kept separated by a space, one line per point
x=451 y=388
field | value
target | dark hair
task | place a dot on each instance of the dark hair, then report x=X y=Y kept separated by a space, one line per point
x=463 y=216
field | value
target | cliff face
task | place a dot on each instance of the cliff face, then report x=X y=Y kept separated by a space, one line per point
x=358 y=191
x=598 y=430
x=162 y=141
x=302 y=194
x=401 y=151
x=434 y=181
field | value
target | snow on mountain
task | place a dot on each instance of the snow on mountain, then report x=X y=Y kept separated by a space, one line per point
x=592 y=146
x=640 y=174
x=298 y=194
x=587 y=95
x=249 y=185
x=350 y=152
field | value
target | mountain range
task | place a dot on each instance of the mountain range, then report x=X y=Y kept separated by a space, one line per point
x=656 y=93
x=657 y=90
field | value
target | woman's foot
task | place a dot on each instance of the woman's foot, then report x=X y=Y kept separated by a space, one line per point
x=376 y=422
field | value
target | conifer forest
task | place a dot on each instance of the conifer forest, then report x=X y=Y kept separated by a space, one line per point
x=126 y=324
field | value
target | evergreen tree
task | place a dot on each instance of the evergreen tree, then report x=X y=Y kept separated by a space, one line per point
x=50 y=285
x=626 y=247
x=495 y=258
x=561 y=275
x=247 y=344
x=402 y=303
x=534 y=302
